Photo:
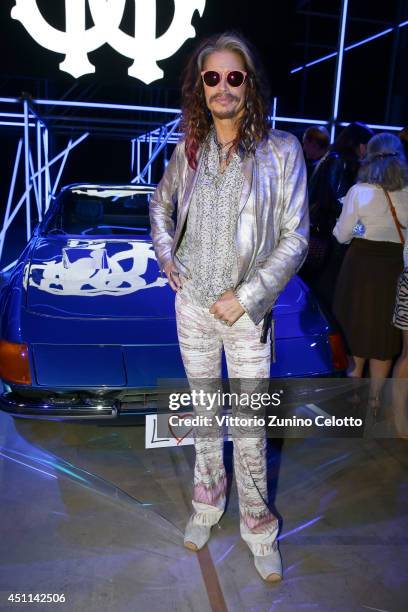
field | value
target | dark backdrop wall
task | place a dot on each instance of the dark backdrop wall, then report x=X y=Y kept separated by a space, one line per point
x=287 y=34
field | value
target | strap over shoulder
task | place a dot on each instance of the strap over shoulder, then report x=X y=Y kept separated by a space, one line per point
x=398 y=225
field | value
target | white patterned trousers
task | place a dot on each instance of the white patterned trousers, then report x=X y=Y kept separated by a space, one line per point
x=201 y=338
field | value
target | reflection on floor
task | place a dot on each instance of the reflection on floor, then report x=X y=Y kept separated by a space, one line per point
x=88 y=512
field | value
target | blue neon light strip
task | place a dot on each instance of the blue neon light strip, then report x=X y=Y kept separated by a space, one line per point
x=47 y=165
x=362 y=42
x=300 y=120
x=39 y=162
x=376 y=126
x=27 y=169
x=314 y=62
x=35 y=116
x=35 y=186
x=9 y=266
x=152 y=156
x=105 y=105
x=16 y=123
x=352 y=46
x=275 y=103
x=14 y=213
x=147 y=108
x=132 y=157
x=61 y=168
x=11 y=194
x=18 y=115
x=339 y=68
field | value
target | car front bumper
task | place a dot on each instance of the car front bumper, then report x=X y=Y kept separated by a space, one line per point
x=77 y=405
x=88 y=404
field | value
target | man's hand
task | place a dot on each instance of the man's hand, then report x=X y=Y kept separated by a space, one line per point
x=172 y=274
x=227 y=308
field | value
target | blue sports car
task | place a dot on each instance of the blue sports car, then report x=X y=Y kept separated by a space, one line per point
x=87 y=320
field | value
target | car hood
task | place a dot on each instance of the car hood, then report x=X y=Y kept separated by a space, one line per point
x=115 y=278
x=96 y=278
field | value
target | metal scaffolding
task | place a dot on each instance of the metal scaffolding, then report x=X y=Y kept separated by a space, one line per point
x=39 y=175
x=42 y=174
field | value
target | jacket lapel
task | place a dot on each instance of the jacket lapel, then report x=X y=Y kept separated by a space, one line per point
x=247 y=170
x=190 y=181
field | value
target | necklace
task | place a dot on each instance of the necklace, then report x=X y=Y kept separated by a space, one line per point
x=223 y=153
x=224 y=144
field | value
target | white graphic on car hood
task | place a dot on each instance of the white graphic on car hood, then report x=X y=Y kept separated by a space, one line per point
x=85 y=268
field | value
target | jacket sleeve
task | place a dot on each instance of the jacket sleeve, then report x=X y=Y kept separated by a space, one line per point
x=349 y=216
x=162 y=206
x=323 y=192
x=258 y=294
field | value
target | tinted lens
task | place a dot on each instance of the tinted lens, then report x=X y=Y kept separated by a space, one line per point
x=235 y=78
x=211 y=78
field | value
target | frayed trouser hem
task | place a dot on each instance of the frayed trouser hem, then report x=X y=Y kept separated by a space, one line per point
x=204 y=514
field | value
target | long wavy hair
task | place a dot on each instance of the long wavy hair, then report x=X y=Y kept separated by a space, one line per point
x=347 y=142
x=196 y=118
x=385 y=163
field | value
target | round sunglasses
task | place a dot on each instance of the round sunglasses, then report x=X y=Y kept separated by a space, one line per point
x=235 y=78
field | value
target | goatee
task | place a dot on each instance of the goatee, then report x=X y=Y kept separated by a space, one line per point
x=227 y=114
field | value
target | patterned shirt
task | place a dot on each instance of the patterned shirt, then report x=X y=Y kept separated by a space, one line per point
x=207 y=248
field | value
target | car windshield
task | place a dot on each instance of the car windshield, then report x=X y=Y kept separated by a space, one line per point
x=91 y=212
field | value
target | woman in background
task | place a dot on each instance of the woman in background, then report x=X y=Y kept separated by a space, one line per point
x=374 y=212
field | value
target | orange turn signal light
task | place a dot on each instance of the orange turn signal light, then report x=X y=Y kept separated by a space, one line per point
x=339 y=356
x=14 y=362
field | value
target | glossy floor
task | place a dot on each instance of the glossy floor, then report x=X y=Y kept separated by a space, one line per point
x=88 y=512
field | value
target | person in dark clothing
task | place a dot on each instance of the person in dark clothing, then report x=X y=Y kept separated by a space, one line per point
x=403 y=136
x=316 y=141
x=334 y=175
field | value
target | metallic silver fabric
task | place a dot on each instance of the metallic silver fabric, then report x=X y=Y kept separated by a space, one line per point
x=207 y=249
x=273 y=218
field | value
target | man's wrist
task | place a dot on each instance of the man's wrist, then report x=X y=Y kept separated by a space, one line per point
x=239 y=299
x=164 y=265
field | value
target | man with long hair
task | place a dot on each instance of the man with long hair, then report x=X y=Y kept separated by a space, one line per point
x=241 y=234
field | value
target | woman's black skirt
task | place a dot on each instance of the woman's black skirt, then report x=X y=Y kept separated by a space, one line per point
x=364 y=299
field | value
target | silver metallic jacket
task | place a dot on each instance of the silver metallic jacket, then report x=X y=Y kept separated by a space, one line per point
x=273 y=218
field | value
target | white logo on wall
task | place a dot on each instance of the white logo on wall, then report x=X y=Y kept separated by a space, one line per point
x=85 y=269
x=77 y=41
